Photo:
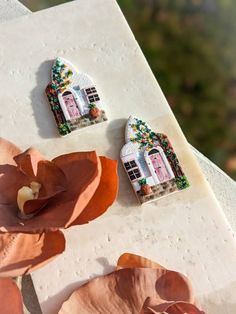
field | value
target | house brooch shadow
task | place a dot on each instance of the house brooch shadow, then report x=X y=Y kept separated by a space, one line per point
x=73 y=98
x=150 y=162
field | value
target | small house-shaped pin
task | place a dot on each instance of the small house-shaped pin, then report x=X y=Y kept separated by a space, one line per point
x=73 y=98
x=150 y=162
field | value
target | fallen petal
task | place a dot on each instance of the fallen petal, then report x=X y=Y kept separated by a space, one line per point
x=135 y=290
x=53 y=182
x=105 y=194
x=27 y=162
x=21 y=253
x=123 y=291
x=173 y=286
x=128 y=260
x=7 y=152
x=10 y=297
x=176 y=308
x=11 y=180
x=82 y=172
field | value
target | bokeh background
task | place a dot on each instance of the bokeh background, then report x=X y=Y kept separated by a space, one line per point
x=191 y=48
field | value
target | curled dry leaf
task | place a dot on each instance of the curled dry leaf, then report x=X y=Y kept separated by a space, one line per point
x=10 y=297
x=21 y=253
x=139 y=286
x=104 y=195
x=71 y=189
x=128 y=260
x=174 y=308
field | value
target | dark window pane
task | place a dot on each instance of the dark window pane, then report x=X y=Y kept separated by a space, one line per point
x=132 y=177
x=91 y=98
x=133 y=164
x=138 y=175
x=127 y=166
x=88 y=91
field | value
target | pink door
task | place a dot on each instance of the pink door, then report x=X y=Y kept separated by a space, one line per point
x=71 y=105
x=159 y=167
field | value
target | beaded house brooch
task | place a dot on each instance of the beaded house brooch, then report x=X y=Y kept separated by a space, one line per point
x=150 y=162
x=73 y=98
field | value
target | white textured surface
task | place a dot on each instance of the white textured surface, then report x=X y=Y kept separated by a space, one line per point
x=222 y=185
x=10 y=9
x=186 y=231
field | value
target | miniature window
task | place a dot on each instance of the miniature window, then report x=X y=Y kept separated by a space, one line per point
x=93 y=98
x=129 y=165
x=132 y=169
x=134 y=174
x=91 y=90
x=133 y=164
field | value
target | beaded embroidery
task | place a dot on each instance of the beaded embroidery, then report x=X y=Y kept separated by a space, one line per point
x=150 y=162
x=73 y=98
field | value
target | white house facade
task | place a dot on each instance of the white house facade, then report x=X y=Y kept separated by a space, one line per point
x=150 y=172
x=73 y=98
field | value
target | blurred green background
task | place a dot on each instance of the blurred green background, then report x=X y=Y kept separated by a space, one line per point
x=191 y=48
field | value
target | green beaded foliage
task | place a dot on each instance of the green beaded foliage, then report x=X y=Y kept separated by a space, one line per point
x=60 y=76
x=64 y=128
x=62 y=125
x=60 y=81
x=182 y=182
x=145 y=137
x=142 y=181
x=92 y=105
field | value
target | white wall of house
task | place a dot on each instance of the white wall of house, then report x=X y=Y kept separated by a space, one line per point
x=150 y=181
x=131 y=152
x=79 y=82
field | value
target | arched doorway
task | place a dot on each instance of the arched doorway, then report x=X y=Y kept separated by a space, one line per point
x=159 y=165
x=71 y=105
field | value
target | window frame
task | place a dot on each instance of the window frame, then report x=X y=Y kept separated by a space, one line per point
x=132 y=169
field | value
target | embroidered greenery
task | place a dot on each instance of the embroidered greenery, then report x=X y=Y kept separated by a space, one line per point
x=62 y=125
x=92 y=105
x=182 y=182
x=63 y=128
x=60 y=76
x=142 y=181
x=144 y=136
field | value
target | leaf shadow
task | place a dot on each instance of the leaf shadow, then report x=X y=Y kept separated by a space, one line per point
x=53 y=304
x=41 y=109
